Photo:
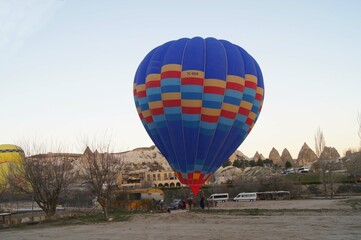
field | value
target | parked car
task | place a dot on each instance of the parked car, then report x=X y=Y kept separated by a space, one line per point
x=175 y=204
x=251 y=196
x=219 y=197
x=303 y=170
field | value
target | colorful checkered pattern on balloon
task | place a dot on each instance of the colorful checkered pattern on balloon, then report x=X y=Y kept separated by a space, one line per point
x=198 y=99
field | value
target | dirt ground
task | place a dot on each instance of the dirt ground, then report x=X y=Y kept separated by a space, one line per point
x=289 y=219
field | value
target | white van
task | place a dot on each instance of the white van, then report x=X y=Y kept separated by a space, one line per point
x=218 y=197
x=252 y=196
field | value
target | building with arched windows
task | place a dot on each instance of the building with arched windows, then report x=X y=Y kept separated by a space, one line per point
x=162 y=179
x=157 y=179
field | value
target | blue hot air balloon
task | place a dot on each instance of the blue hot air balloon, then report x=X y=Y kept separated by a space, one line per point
x=198 y=99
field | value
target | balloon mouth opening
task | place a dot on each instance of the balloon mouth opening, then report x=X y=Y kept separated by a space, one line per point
x=195 y=188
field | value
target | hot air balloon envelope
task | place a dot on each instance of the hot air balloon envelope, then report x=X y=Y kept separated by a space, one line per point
x=9 y=154
x=198 y=99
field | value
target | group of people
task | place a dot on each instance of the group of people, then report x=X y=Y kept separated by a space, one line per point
x=158 y=205
x=191 y=202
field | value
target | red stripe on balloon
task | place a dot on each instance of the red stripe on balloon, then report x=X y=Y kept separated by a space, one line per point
x=259 y=97
x=157 y=111
x=235 y=86
x=250 y=84
x=192 y=81
x=207 y=118
x=192 y=110
x=170 y=74
x=148 y=119
x=172 y=103
x=153 y=84
x=228 y=114
x=214 y=90
x=142 y=94
x=249 y=121
x=243 y=111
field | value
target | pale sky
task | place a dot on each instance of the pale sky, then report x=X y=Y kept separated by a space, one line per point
x=67 y=67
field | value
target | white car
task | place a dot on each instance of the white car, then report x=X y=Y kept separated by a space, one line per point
x=218 y=197
x=252 y=196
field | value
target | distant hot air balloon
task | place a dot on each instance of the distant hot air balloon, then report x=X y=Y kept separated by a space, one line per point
x=198 y=99
x=9 y=154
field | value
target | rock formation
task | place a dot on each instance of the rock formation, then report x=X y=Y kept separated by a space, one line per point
x=241 y=156
x=329 y=153
x=238 y=155
x=233 y=157
x=286 y=156
x=306 y=155
x=257 y=156
x=257 y=171
x=150 y=158
x=275 y=157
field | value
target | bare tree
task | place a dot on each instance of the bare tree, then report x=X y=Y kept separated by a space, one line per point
x=101 y=169
x=331 y=166
x=3 y=182
x=43 y=176
x=3 y=187
x=353 y=165
x=359 y=128
x=320 y=143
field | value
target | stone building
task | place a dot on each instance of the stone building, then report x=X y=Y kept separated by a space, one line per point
x=139 y=179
